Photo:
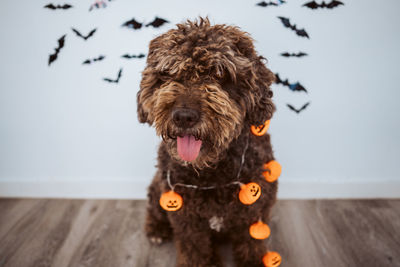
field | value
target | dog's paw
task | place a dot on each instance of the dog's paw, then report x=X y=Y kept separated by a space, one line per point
x=155 y=240
x=158 y=232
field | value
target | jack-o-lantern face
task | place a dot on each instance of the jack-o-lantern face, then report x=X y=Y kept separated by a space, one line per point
x=272 y=259
x=260 y=130
x=273 y=171
x=259 y=230
x=171 y=201
x=249 y=193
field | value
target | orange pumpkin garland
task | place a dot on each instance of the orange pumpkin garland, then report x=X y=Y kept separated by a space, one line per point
x=260 y=130
x=249 y=193
x=259 y=230
x=273 y=171
x=171 y=201
x=272 y=259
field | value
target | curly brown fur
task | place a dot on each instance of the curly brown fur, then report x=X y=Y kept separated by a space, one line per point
x=215 y=70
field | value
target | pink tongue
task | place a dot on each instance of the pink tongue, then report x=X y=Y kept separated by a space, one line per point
x=188 y=147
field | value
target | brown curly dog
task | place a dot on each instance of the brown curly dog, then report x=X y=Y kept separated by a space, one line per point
x=202 y=89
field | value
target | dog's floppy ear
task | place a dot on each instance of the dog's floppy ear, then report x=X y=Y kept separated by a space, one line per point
x=149 y=83
x=142 y=115
x=263 y=108
x=145 y=96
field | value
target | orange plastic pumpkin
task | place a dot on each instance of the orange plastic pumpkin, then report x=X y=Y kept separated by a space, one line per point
x=272 y=259
x=259 y=230
x=171 y=201
x=273 y=171
x=260 y=130
x=249 y=193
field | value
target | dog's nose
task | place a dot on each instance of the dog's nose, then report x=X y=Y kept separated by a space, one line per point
x=185 y=118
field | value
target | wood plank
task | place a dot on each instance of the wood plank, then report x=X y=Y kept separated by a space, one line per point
x=47 y=232
x=86 y=216
x=25 y=228
x=52 y=241
x=12 y=210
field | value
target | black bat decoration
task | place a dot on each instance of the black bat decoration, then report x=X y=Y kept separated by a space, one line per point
x=53 y=7
x=90 y=34
x=157 y=22
x=286 y=23
x=127 y=56
x=61 y=43
x=116 y=80
x=90 y=61
x=133 y=24
x=300 y=54
x=300 y=109
x=292 y=86
x=98 y=4
x=315 y=5
x=265 y=4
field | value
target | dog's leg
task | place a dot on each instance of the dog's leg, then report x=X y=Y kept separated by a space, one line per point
x=158 y=227
x=248 y=252
x=196 y=250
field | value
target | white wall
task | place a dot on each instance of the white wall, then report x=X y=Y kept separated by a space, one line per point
x=66 y=133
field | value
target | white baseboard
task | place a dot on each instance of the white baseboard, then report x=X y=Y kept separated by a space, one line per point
x=123 y=189
x=103 y=189
x=311 y=190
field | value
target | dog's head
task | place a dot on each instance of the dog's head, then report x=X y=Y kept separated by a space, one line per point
x=202 y=84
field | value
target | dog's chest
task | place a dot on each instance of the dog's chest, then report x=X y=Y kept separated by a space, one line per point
x=213 y=207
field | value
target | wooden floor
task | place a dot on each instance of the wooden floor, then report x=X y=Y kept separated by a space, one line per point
x=108 y=233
